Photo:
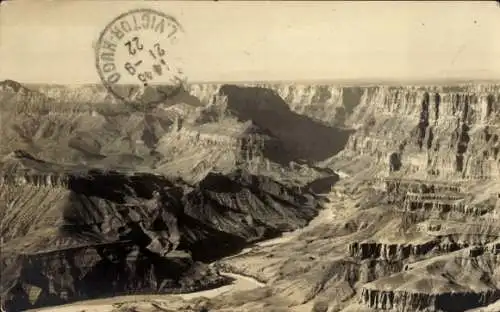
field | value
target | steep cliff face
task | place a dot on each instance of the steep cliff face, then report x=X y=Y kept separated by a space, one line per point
x=71 y=227
x=442 y=141
x=410 y=129
x=433 y=133
x=328 y=104
x=445 y=284
x=271 y=114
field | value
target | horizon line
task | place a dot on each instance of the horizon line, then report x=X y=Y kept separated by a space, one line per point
x=360 y=82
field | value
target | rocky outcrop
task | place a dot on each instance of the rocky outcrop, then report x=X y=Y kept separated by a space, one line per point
x=196 y=150
x=388 y=251
x=15 y=96
x=50 y=180
x=440 y=244
x=398 y=185
x=101 y=270
x=444 y=205
x=442 y=289
x=420 y=302
x=421 y=200
x=434 y=196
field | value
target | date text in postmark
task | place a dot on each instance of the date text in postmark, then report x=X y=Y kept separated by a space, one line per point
x=137 y=59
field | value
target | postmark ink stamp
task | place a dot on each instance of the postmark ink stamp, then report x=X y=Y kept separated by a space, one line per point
x=136 y=57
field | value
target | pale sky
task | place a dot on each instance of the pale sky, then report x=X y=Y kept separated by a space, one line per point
x=245 y=41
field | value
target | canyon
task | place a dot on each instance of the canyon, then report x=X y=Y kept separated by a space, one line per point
x=391 y=196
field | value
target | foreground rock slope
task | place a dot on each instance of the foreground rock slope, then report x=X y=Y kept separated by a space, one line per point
x=80 y=233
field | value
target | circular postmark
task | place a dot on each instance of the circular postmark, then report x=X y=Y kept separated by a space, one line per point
x=137 y=59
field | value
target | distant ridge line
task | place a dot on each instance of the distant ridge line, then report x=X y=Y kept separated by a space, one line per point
x=333 y=82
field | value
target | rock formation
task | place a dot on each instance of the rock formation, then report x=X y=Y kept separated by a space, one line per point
x=416 y=224
x=63 y=231
x=408 y=177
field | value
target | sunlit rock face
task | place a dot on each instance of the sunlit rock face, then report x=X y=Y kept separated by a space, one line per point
x=429 y=130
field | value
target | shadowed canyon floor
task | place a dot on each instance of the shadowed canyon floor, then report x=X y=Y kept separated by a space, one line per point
x=278 y=197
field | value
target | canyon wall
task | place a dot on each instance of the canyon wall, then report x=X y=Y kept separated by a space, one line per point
x=434 y=132
x=417 y=222
x=438 y=134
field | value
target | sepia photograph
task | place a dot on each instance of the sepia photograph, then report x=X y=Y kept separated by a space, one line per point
x=249 y=156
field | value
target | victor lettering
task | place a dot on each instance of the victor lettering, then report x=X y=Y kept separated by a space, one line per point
x=153 y=22
x=161 y=26
x=146 y=18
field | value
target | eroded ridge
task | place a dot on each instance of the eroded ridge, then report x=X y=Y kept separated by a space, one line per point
x=62 y=231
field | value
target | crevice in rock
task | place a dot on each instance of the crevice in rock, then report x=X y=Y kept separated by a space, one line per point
x=462 y=145
x=437 y=102
x=490 y=103
x=395 y=163
x=424 y=120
